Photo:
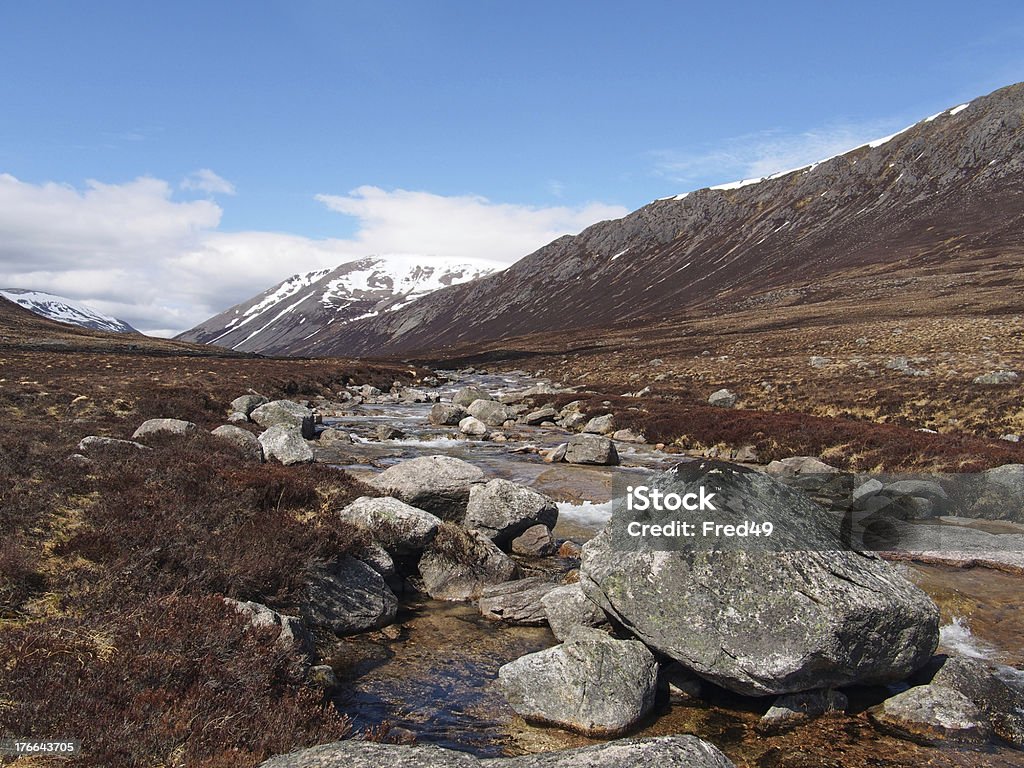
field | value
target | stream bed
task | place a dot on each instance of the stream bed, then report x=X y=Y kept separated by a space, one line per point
x=433 y=675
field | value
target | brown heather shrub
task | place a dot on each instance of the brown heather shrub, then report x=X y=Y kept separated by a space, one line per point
x=172 y=680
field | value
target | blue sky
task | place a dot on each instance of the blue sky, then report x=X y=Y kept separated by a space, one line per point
x=331 y=122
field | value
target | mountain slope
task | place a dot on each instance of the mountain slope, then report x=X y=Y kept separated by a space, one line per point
x=65 y=310
x=307 y=307
x=944 y=190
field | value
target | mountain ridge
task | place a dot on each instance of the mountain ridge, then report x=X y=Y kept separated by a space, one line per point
x=943 y=189
x=305 y=305
x=65 y=310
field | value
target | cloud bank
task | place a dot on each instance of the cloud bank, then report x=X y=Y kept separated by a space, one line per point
x=134 y=251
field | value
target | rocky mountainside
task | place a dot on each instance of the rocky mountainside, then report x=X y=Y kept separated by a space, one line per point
x=945 y=190
x=306 y=308
x=65 y=310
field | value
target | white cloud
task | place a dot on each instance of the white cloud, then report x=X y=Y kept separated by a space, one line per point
x=163 y=265
x=756 y=155
x=205 y=180
x=465 y=226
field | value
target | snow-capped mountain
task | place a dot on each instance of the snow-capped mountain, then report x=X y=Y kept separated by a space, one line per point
x=305 y=306
x=65 y=310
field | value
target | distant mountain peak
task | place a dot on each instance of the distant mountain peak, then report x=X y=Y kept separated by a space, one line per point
x=306 y=305
x=65 y=310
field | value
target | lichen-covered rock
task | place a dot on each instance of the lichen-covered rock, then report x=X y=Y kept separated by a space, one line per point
x=591 y=449
x=566 y=609
x=348 y=597
x=468 y=395
x=516 y=602
x=286 y=445
x=535 y=541
x=502 y=510
x=931 y=713
x=399 y=527
x=446 y=414
x=438 y=484
x=591 y=683
x=168 y=426
x=804 y=614
x=285 y=413
x=245 y=441
x=459 y=564
x=246 y=404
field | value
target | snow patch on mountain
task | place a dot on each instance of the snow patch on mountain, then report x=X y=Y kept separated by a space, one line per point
x=65 y=310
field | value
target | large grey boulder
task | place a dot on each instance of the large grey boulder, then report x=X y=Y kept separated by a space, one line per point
x=662 y=751
x=591 y=449
x=557 y=685
x=399 y=527
x=516 y=602
x=932 y=713
x=245 y=441
x=490 y=412
x=798 y=614
x=287 y=414
x=286 y=445
x=465 y=397
x=348 y=597
x=438 y=484
x=502 y=510
x=168 y=426
x=567 y=609
x=459 y=564
x=246 y=404
x=446 y=414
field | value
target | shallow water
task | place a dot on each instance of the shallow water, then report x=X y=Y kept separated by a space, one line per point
x=437 y=679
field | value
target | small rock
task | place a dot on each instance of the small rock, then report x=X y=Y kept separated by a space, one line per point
x=516 y=602
x=446 y=414
x=246 y=404
x=388 y=432
x=333 y=436
x=540 y=416
x=502 y=510
x=556 y=454
x=472 y=426
x=237 y=418
x=322 y=676
x=171 y=426
x=348 y=597
x=931 y=713
x=466 y=397
x=535 y=541
x=601 y=425
x=791 y=710
x=627 y=436
x=723 y=398
x=91 y=442
x=459 y=564
x=570 y=549
x=557 y=685
x=286 y=445
x=680 y=682
x=245 y=441
x=819 y=362
x=591 y=449
x=566 y=609
x=996 y=377
x=292 y=633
